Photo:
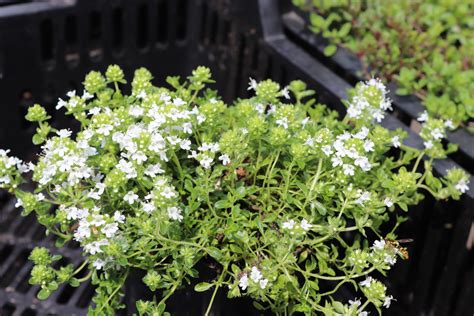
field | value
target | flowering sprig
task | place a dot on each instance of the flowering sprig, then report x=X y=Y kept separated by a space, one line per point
x=164 y=178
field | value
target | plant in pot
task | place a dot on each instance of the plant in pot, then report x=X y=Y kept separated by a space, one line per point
x=286 y=201
x=424 y=46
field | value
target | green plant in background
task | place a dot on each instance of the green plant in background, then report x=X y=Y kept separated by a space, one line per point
x=281 y=196
x=425 y=46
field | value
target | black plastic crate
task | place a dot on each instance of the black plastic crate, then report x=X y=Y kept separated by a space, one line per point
x=347 y=65
x=46 y=48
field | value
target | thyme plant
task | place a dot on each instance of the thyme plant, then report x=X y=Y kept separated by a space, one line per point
x=282 y=196
x=425 y=46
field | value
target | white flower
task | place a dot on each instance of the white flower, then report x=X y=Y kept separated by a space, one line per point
x=305 y=225
x=362 y=134
x=139 y=157
x=449 y=124
x=282 y=122
x=61 y=103
x=141 y=95
x=356 y=302
x=130 y=197
x=363 y=163
x=86 y=95
x=437 y=133
x=388 y=202
x=185 y=144
x=94 y=247
x=396 y=141
x=289 y=224
x=387 y=301
x=244 y=282
x=336 y=161
x=148 y=207
x=136 y=111
x=118 y=217
x=98 y=264
x=428 y=144
x=367 y=282
x=348 y=169
x=304 y=122
x=309 y=142
x=462 y=186
x=263 y=283
x=110 y=229
x=368 y=146
x=379 y=244
x=206 y=162
x=327 y=150
x=255 y=274
x=391 y=260
x=252 y=84
x=225 y=159
x=127 y=168
x=178 y=102
x=97 y=220
x=174 y=213
x=423 y=117
x=40 y=196
x=363 y=197
x=153 y=170
x=363 y=313
x=168 y=193
x=64 y=133
x=285 y=93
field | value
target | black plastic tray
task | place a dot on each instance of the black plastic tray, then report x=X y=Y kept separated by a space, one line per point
x=46 y=48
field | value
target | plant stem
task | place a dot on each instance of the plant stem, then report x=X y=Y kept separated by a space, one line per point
x=218 y=284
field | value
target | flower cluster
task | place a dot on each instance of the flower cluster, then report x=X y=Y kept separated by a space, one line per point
x=165 y=178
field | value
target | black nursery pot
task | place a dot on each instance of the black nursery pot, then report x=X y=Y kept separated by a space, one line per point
x=186 y=301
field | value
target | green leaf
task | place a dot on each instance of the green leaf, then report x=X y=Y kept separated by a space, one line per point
x=330 y=50
x=43 y=294
x=222 y=204
x=214 y=253
x=202 y=287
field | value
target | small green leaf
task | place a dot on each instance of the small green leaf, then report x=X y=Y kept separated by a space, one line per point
x=202 y=287
x=330 y=50
x=43 y=294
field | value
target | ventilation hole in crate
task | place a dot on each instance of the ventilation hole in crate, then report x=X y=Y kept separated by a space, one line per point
x=70 y=38
x=70 y=30
x=95 y=35
x=162 y=23
x=8 y=309
x=181 y=19
x=2 y=60
x=24 y=285
x=204 y=21
x=5 y=253
x=39 y=233
x=269 y=68
x=86 y=296
x=213 y=29
x=117 y=27
x=255 y=56
x=283 y=75
x=29 y=312
x=27 y=224
x=68 y=291
x=239 y=68
x=142 y=26
x=225 y=32
x=46 y=40
x=8 y=218
x=16 y=266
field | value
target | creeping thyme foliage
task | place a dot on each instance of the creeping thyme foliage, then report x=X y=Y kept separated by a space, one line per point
x=425 y=46
x=283 y=197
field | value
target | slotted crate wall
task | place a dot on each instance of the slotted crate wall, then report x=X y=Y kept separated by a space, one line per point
x=46 y=49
